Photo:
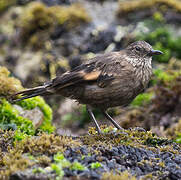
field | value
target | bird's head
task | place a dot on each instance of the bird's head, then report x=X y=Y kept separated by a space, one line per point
x=141 y=52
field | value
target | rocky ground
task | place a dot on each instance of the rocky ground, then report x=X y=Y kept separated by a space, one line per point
x=129 y=154
x=40 y=39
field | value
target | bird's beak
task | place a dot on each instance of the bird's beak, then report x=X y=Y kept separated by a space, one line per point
x=155 y=52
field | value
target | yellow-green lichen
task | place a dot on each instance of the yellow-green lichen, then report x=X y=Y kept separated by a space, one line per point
x=38 y=20
x=8 y=85
x=135 y=5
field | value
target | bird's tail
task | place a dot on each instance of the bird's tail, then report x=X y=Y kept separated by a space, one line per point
x=29 y=93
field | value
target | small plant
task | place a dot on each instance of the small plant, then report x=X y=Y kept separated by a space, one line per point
x=58 y=169
x=142 y=99
x=95 y=165
x=178 y=139
x=38 y=170
x=60 y=160
x=77 y=166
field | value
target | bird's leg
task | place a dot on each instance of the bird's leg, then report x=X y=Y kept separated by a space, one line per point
x=112 y=120
x=89 y=110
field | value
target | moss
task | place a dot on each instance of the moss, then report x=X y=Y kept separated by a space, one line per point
x=178 y=139
x=157 y=16
x=95 y=165
x=47 y=111
x=163 y=39
x=157 y=142
x=77 y=166
x=165 y=76
x=6 y=140
x=71 y=15
x=119 y=176
x=9 y=115
x=126 y=7
x=142 y=99
x=38 y=170
x=4 y=4
x=24 y=154
x=47 y=150
x=14 y=161
x=58 y=169
x=46 y=143
x=39 y=18
x=8 y=85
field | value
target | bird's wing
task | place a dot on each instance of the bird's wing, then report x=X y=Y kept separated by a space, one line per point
x=87 y=72
x=101 y=69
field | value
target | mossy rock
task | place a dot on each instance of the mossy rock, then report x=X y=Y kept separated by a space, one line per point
x=39 y=20
x=127 y=154
x=10 y=117
x=8 y=85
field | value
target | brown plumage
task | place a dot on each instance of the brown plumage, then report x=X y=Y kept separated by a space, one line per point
x=109 y=80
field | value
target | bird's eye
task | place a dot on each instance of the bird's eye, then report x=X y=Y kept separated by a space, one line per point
x=138 y=48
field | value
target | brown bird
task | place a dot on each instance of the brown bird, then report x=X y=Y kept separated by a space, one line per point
x=108 y=80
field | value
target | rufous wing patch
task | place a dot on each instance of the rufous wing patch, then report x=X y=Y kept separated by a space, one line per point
x=91 y=76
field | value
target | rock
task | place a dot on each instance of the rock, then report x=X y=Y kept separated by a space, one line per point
x=35 y=115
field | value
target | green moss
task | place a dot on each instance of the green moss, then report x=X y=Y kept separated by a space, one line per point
x=157 y=16
x=157 y=141
x=162 y=38
x=58 y=169
x=165 y=77
x=47 y=111
x=142 y=99
x=38 y=170
x=77 y=166
x=60 y=159
x=9 y=115
x=178 y=138
x=95 y=165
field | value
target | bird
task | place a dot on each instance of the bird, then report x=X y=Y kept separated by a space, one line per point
x=107 y=80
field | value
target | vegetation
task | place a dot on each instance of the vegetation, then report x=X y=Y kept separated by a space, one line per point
x=37 y=17
x=142 y=99
x=4 y=4
x=8 y=85
x=161 y=38
x=10 y=117
x=95 y=165
x=135 y=5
